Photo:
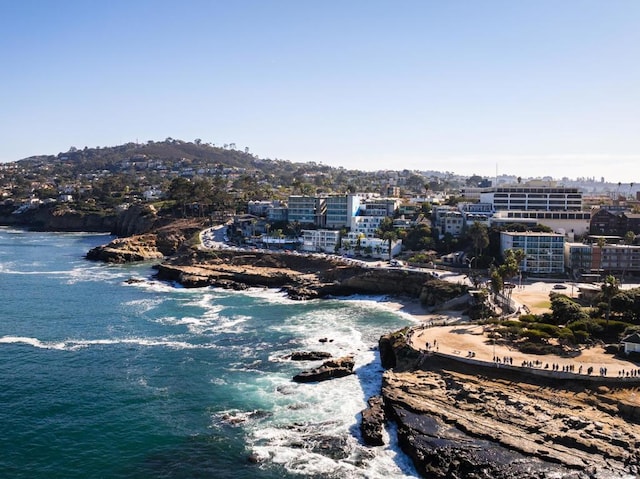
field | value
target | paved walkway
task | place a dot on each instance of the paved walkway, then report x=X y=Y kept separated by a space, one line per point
x=470 y=341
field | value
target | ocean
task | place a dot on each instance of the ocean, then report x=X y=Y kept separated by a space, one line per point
x=108 y=373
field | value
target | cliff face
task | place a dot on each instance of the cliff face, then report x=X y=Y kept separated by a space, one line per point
x=50 y=219
x=135 y=220
x=304 y=277
x=160 y=242
x=456 y=422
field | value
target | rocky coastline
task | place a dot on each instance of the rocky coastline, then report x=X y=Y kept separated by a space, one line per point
x=457 y=421
x=302 y=277
x=453 y=420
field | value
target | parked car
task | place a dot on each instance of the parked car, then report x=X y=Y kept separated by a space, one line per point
x=559 y=286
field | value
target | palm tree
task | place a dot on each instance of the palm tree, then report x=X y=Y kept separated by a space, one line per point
x=479 y=237
x=389 y=236
x=609 y=289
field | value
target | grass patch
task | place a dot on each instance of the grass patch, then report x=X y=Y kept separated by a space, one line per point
x=542 y=304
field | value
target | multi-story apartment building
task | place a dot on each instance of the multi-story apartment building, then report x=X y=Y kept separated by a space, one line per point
x=578 y=258
x=340 y=209
x=366 y=225
x=375 y=206
x=375 y=247
x=320 y=240
x=527 y=198
x=591 y=259
x=570 y=223
x=544 y=252
x=307 y=210
x=452 y=222
x=607 y=221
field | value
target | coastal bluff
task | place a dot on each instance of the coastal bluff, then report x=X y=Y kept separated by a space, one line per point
x=301 y=276
x=457 y=420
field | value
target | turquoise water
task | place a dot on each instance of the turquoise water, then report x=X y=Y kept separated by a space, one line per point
x=105 y=378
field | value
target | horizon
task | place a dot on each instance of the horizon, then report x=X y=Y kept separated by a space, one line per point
x=531 y=89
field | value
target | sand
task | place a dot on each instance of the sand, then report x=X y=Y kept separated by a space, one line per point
x=460 y=337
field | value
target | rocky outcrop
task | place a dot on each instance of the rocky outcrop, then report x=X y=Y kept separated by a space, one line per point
x=373 y=421
x=126 y=250
x=302 y=277
x=135 y=220
x=458 y=423
x=309 y=355
x=334 y=368
x=395 y=351
x=165 y=240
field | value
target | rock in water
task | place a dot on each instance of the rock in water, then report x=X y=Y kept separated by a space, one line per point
x=334 y=368
x=309 y=355
x=372 y=424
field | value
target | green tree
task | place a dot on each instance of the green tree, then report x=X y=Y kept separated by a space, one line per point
x=629 y=237
x=564 y=310
x=180 y=192
x=418 y=237
x=479 y=235
x=609 y=289
x=390 y=237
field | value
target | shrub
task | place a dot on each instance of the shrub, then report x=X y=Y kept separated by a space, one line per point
x=535 y=335
x=581 y=337
x=567 y=336
x=529 y=318
x=550 y=329
x=536 y=348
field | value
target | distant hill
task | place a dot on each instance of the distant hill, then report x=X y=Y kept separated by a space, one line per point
x=171 y=152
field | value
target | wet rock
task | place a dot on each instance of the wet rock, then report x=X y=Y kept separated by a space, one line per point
x=334 y=368
x=372 y=423
x=309 y=355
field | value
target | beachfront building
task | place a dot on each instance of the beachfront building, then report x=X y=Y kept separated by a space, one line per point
x=544 y=252
x=307 y=210
x=366 y=225
x=539 y=202
x=578 y=259
x=360 y=245
x=569 y=223
x=591 y=260
x=340 y=209
x=322 y=241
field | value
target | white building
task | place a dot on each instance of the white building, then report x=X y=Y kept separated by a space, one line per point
x=374 y=247
x=533 y=197
x=569 y=223
x=544 y=252
x=366 y=225
x=320 y=240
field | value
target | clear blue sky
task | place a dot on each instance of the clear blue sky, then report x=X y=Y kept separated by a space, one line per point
x=534 y=87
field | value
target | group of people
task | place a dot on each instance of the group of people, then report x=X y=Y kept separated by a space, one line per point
x=504 y=360
x=566 y=368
